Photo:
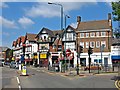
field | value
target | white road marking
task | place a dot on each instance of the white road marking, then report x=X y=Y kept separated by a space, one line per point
x=19 y=87
x=18 y=80
x=18 y=83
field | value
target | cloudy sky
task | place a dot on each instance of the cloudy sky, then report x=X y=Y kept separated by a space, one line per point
x=18 y=18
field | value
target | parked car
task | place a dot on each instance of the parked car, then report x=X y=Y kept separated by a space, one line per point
x=93 y=67
x=2 y=62
x=14 y=65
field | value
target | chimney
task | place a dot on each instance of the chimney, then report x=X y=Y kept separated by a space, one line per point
x=109 y=16
x=109 y=19
x=78 y=19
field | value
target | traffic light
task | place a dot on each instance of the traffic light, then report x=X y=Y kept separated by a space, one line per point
x=64 y=53
x=90 y=50
x=81 y=49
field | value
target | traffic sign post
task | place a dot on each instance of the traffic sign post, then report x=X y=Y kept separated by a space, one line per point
x=90 y=51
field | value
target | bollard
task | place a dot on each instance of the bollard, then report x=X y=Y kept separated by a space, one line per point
x=24 y=71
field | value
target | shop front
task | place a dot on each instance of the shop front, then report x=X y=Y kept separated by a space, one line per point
x=43 y=59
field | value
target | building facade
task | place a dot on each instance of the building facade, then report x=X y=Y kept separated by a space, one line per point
x=95 y=34
x=25 y=45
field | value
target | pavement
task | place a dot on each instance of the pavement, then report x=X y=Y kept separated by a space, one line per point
x=68 y=73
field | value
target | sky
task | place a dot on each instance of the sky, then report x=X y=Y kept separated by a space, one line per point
x=19 y=18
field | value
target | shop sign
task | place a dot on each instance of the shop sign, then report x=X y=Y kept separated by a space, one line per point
x=43 y=55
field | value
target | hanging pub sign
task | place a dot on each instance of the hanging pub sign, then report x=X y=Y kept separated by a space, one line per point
x=43 y=55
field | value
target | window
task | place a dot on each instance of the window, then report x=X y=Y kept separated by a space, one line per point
x=97 y=34
x=81 y=34
x=92 y=44
x=92 y=34
x=70 y=46
x=87 y=34
x=44 y=37
x=103 y=33
x=69 y=36
x=103 y=43
x=54 y=46
x=87 y=44
x=98 y=44
x=82 y=44
x=59 y=47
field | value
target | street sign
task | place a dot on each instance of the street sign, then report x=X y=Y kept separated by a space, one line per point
x=22 y=58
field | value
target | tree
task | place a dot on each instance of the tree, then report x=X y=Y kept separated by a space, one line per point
x=116 y=14
x=116 y=10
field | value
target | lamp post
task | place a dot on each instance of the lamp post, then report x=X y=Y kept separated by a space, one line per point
x=66 y=16
x=77 y=54
x=61 y=12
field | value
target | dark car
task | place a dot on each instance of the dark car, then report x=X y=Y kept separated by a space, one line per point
x=2 y=62
x=14 y=65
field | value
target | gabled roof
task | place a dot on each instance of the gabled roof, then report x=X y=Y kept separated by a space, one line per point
x=70 y=27
x=47 y=30
x=55 y=32
x=22 y=39
x=14 y=43
x=57 y=41
x=30 y=36
x=19 y=40
x=93 y=25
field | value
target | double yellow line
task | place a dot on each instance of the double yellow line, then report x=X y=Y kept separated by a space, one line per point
x=117 y=84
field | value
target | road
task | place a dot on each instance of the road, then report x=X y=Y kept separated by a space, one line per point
x=40 y=79
x=8 y=78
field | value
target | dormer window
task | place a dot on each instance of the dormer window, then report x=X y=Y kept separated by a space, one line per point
x=44 y=37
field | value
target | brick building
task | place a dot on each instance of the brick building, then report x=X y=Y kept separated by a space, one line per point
x=95 y=34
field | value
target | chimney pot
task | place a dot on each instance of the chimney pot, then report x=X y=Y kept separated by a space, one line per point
x=109 y=16
x=78 y=19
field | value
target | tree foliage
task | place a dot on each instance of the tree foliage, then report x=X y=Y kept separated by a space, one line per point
x=116 y=10
x=116 y=14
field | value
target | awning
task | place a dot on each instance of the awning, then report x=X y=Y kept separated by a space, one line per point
x=27 y=60
x=117 y=57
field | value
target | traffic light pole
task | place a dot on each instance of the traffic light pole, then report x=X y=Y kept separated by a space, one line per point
x=89 y=63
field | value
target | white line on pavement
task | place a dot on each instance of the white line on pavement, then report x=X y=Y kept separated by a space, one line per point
x=19 y=87
x=18 y=80
x=18 y=83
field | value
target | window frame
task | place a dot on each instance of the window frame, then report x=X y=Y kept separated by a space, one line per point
x=97 y=44
x=81 y=35
x=92 y=34
x=91 y=44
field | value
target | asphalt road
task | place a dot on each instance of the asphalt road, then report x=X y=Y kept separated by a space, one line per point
x=40 y=79
x=8 y=79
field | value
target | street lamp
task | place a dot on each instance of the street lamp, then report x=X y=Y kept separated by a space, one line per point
x=77 y=53
x=61 y=12
x=66 y=16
